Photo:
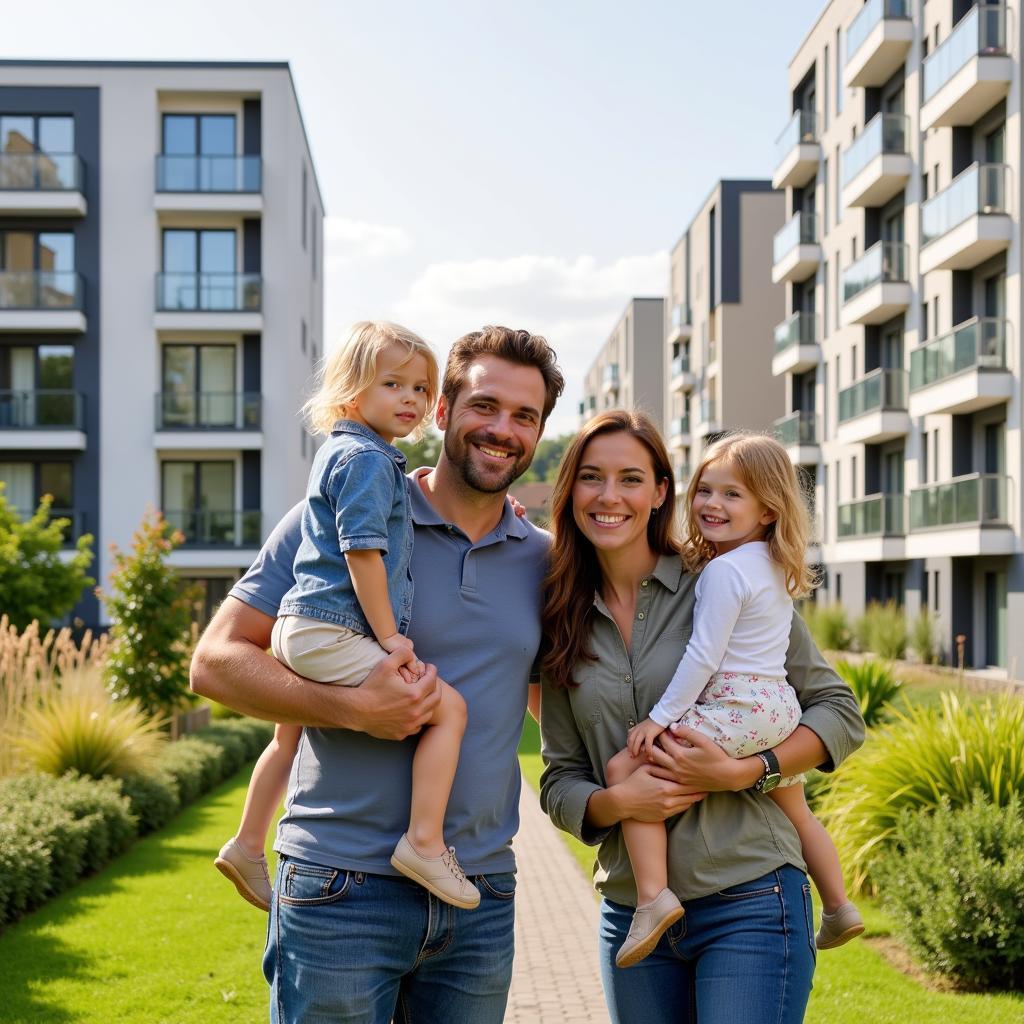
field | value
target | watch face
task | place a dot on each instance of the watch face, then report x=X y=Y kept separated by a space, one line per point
x=769 y=782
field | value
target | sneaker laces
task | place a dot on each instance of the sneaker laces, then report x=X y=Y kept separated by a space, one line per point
x=451 y=862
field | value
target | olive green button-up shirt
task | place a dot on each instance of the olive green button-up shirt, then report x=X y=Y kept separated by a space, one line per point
x=725 y=839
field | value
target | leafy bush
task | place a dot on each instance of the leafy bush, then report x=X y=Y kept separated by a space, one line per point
x=77 y=727
x=153 y=797
x=873 y=685
x=24 y=867
x=828 y=625
x=882 y=629
x=952 y=880
x=922 y=638
x=923 y=754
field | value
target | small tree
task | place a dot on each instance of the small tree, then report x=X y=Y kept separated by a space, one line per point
x=424 y=452
x=151 y=635
x=36 y=582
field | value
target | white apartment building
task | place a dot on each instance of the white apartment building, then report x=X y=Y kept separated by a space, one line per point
x=627 y=372
x=161 y=297
x=900 y=349
x=720 y=309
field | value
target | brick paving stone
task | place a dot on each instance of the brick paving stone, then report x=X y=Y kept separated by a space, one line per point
x=555 y=979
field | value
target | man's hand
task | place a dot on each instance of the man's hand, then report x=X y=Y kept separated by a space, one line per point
x=689 y=758
x=640 y=740
x=388 y=707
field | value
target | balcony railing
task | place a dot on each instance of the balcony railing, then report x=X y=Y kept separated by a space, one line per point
x=40 y=289
x=213 y=292
x=880 y=390
x=980 y=33
x=210 y=410
x=48 y=409
x=801 y=229
x=799 y=329
x=41 y=172
x=680 y=425
x=708 y=410
x=175 y=173
x=680 y=315
x=982 y=188
x=802 y=127
x=205 y=528
x=978 y=344
x=977 y=498
x=870 y=15
x=884 y=133
x=681 y=364
x=797 y=428
x=884 y=261
x=880 y=515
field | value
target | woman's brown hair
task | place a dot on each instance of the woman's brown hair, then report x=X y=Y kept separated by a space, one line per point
x=574 y=575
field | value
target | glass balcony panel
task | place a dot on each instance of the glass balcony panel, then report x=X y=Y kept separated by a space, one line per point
x=800 y=427
x=681 y=364
x=800 y=230
x=980 y=32
x=884 y=261
x=680 y=425
x=43 y=409
x=40 y=289
x=799 y=329
x=216 y=528
x=214 y=292
x=190 y=173
x=680 y=315
x=707 y=410
x=976 y=344
x=870 y=15
x=884 y=133
x=879 y=390
x=802 y=127
x=610 y=375
x=210 y=410
x=974 y=499
x=40 y=172
x=982 y=188
x=880 y=515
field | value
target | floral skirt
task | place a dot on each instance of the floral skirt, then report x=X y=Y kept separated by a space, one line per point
x=744 y=714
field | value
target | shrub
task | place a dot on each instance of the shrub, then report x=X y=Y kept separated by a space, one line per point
x=77 y=727
x=952 y=881
x=922 y=638
x=153 y=797
x=828 y=625
x=873 y=685
x=923 y=754
x=195 y=766
x=882 y=629
x=24 y=867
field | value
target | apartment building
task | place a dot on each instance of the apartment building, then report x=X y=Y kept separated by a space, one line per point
x=900 y=348
x=627 y=372
x=161 y=296
x=720 y=310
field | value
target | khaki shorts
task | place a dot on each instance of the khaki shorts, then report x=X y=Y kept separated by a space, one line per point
x=324 y=652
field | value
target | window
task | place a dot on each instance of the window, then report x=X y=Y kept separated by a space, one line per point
x=824 y=205
x=303 y=336
x=27 y=482
x=199 y=270
x=854 y=485
x=924 y=321
x=313 y=238
x=825 y=87
x=839 y=194
x=37 y=270
x=305 y=197
x=824 y=297
x=839 y=587
x=839 y=74
x=838 y=291
x=198 y=498
x=302 y=440
x=198 y=387
x=35 y=386
x=37 y=151
x=924 y=186
x=924 y=457
x=198 y=153
x=853 y=362
x=935 y=316
x=935 y=591
x=924 y=590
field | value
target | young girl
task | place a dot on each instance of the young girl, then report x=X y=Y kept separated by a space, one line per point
x=748 y=529
x=352 y=597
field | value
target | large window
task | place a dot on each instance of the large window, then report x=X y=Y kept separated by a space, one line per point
x=25 y=483
x=38 y=152
x=199 y=500
x=199 y=270
x=37 y=270
x=199 y=155
x=36 y=387
x=198 y=386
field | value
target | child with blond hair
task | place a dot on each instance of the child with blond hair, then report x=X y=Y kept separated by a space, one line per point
x=352 y=599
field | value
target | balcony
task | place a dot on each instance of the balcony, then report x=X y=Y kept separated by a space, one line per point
x=876 y=287
x=47 y=420
x=877 y=164
x=41 y=300
x=798 y=151
x=800 y=433
x=968 y=221
x=681 y=377
x=205 y=528
x=796 y=344
x=968 y=515
x=874 y=409
x=796 y=253
x=42 y=185
x=871 y=529
x=187 y=301
x=610 y=378
x=680 y=326
x=208 y=420
x=682 y=473
x=228 y=184
x=970 y=72
x=679 y=432
x=962 y=371
x=708 y=417
x=877 y=42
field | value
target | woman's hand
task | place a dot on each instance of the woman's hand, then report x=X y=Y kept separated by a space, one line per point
x=687 y=757
x=646 y=796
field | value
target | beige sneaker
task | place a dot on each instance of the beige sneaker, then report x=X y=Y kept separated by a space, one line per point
x=250 y=877
x=650 y=922
x=443 y=876
x=839 y=927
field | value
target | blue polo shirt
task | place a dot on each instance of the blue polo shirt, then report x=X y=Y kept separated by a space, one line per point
x=476 y=615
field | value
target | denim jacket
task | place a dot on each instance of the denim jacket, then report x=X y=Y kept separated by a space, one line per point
x=356 y=499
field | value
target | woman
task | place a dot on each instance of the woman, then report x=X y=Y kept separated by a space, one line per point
x=618 y=611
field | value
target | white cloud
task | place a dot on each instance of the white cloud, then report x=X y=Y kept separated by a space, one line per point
x=349 y=242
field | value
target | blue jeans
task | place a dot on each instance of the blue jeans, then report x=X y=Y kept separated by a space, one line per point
x=346 y=946
x=744 y=955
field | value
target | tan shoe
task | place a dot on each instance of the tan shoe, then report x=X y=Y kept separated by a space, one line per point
x=443 y=876
x=250 y=876
x=650 y=922
x=839 y=927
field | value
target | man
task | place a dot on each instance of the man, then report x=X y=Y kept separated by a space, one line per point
x=350 y=939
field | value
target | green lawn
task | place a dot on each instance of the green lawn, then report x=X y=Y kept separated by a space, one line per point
x=853 y=984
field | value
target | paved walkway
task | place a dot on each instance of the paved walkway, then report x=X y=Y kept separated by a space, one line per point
x=555 y=979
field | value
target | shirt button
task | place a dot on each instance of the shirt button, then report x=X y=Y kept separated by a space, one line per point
x=640 y=615
x=643 y=583
x=631 y=723
x=628 y=679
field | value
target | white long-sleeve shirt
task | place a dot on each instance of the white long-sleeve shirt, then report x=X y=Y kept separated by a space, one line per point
x=741 y=623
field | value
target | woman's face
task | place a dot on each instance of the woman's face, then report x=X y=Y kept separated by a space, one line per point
x=614 y=492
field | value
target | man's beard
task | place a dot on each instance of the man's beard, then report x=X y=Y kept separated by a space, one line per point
x=459 y=455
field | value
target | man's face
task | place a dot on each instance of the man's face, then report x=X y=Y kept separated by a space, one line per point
x=492 y=428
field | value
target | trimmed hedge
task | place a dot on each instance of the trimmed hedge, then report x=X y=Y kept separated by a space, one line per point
x=52 y=831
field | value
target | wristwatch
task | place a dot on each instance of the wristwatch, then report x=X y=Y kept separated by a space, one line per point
x=772 y=774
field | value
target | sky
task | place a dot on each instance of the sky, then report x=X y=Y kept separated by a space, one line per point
x=526 y=163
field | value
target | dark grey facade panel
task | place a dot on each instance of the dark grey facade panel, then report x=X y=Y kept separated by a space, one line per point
x=252 y=373
x=252 y=128
x=252 y=234
x=252 y=482
x=728 y=241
